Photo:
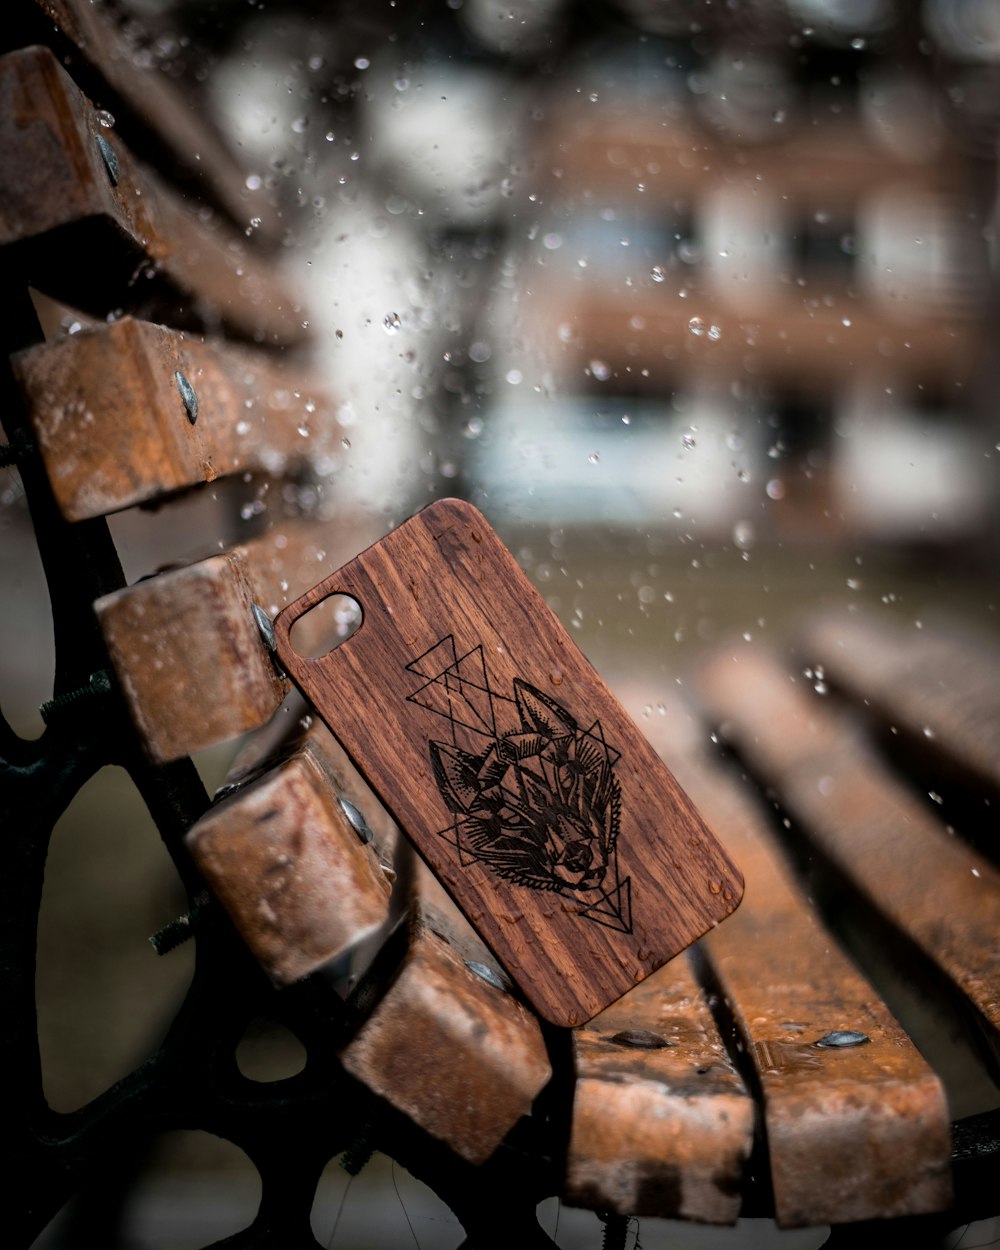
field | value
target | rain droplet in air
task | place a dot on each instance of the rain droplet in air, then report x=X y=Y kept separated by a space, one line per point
x=744 y=535
x=594 y=458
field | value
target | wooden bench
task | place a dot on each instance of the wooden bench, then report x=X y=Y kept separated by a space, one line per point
x=779 y=1070
x=896 y=886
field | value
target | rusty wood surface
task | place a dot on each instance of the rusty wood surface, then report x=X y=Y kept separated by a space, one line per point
x=189 y=656
x=939 y=686
x=662 y=1124
x=853 y=1133
x=502 y=755
x=109 y=414
x=452 y=1049
x=98 y=230
x=286 y=733
x=280 y=852
x=882 y=837
x=166 y=108
x=187 y=649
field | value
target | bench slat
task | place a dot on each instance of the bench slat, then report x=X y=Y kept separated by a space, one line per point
x=193 y=146
x=461 y=1057
x=284 y=734
x=97 y=229
x=658 y=1130
x=284 y=859
x=930 y=885
x=852 y=1133
x=189 y=656
x=941 y=688
x=109 y=414
x=187 y=649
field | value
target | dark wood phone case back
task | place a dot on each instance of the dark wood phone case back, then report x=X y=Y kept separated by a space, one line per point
x=513 y=769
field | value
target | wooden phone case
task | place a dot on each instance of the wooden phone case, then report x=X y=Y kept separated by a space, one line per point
x=513 y=769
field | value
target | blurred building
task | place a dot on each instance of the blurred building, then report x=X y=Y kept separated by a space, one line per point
x=756 y=288
x=719 y=266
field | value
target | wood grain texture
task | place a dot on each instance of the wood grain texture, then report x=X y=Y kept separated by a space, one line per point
x=187 y=650
x=887 y=842
x=189 y=656
x=99 y=240
x=460 y=1056
x=113 y=429
x=662 y=1124
x=854 y=1133
x=586 y=875
x=281 y=855
x=287 y=733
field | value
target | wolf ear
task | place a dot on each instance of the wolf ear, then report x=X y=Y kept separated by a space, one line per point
x=457 y=775
x=540 y=714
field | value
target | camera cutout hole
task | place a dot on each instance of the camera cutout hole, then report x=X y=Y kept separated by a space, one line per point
x=324 y=627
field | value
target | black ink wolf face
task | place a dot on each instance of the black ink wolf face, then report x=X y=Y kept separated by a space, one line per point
x=540 y=805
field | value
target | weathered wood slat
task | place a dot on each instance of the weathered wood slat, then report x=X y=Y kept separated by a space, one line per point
x=436 y=1038
x=189 y=656
x=114 y=422
x=281 y=853
x=186 y=646
x=928 y=884
x=939 y=686
x=172 y=117
x=286 y=733
x=852 y=1133
x=662 y=1124
x=98 y=230
x=446 y=1043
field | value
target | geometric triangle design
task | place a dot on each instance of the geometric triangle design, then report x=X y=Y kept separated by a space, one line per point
x=613 y=909
x=533 y=796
